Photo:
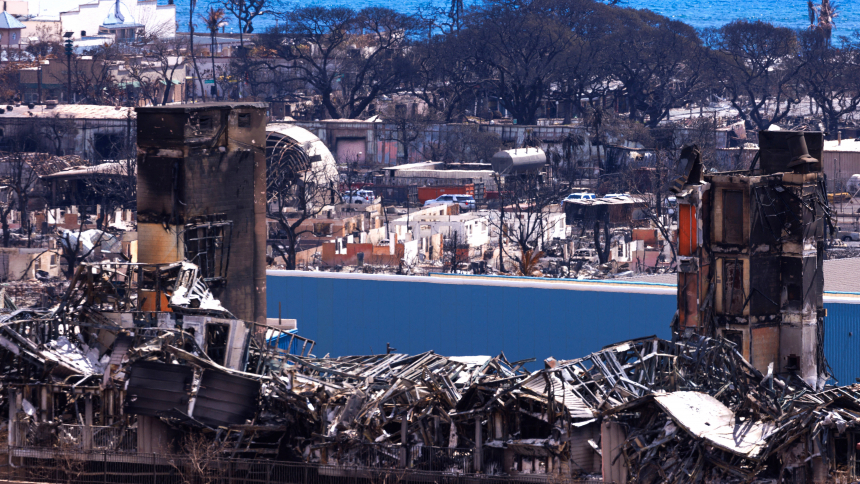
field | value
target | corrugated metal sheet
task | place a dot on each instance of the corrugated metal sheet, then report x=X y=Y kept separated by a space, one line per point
x=157 y=387
x=225 y=399
x=839 y=166
x=582 y=455
x=120 y=348
x=562 y=394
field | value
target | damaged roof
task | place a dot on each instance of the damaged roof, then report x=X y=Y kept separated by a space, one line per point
x=70 y=111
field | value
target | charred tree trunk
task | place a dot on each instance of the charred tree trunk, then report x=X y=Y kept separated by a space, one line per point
x=602 y=250
x=290 y=259
x=4 y=222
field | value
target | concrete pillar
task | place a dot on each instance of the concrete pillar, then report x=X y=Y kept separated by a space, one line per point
x=404 y=439
x=88 y=422
x=43 y=403
x=479 y=444
x=508 y=459
x=13 y=417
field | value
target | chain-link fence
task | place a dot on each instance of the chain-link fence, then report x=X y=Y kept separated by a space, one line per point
x=76 y=437
x=30 y=464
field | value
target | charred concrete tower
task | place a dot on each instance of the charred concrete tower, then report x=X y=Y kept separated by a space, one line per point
x=751 y=247
x=201 y=172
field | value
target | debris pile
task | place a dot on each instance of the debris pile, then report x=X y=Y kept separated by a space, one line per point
x=423 y=400
x=42 y=292
x=134 y=346
x=696 y=411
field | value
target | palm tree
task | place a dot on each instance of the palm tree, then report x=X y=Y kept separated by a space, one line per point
x=213 y=19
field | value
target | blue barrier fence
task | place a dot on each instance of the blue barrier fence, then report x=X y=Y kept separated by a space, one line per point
x=349 y=314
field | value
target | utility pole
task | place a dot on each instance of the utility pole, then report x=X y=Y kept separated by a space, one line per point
x=39 y=73
x=69 y=48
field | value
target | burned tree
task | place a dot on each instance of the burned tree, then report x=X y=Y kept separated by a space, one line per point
x=18 y=177
x=114 y=185
x=245 y=12
x=520 y=49
x=410 y=130
x=566 y=161
x=829 y=76
x=154 y=71
x=53 y=134
x=213 y=20
x=298 y=187
x=461 y=143
x=202 y=458
x=757 y=65
x=113 y=182
x=455 y=252
x=441 y=76
x=7 y=206
x=659 y=62
x=526 y=217
x=73 y=249
x=349 y=58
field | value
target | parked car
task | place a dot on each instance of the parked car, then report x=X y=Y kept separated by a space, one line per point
x=585 y=255
x=846 y=235
x=580 y=196
x=853 y=185
x=836 y=244
x=358 y=197
x=466 y=202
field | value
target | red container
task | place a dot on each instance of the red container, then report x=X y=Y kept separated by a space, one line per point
x=432 y=193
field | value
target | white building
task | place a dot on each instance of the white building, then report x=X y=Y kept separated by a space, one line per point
x=471 y=228
x=544 y=227
x=121 y=20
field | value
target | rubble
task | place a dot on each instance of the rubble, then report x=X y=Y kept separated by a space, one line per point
x=694 y=410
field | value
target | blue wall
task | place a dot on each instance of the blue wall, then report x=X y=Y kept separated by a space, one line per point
x=842 y=338
x=350 y=314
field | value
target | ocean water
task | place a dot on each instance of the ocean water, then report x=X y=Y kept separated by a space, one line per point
x=698 y=13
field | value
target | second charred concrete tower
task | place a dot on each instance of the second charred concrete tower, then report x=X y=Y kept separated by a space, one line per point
x=751 y=249
x=201 y=171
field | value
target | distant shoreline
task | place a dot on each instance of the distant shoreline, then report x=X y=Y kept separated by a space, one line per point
x=700 y=14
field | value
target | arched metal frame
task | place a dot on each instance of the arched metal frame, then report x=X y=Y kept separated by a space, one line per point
x=285 y=160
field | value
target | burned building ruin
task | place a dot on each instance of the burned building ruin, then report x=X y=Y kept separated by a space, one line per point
x=201 y=196
x=751 y=245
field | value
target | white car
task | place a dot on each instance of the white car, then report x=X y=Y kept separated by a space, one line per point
x=847 y=235
x=358 y=197
x=579 y=196
x=466 y=202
